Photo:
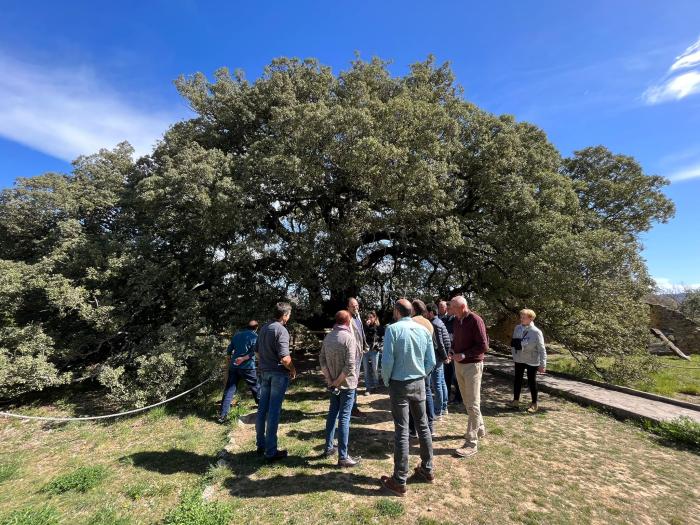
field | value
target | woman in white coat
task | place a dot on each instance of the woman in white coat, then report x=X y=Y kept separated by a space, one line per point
x=529 y=354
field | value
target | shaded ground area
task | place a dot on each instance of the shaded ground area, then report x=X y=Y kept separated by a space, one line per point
x=566 y=464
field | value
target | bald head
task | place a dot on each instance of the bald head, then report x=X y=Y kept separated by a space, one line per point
x=459 y=305
x=402 y=308
x=343 y=317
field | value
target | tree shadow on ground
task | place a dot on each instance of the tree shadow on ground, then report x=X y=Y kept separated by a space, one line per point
x=245 y=464
x=171 y=461
x=298 y=396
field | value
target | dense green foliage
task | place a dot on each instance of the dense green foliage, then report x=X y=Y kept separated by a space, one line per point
x=314 y=187
x=690 y=307
x=681 y=430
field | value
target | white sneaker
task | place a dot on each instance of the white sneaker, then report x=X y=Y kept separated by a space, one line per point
x=466 y=451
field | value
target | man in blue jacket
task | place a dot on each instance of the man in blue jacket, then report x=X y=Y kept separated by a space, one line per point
x=241 y=365
x=442 y=352
x=407 y=359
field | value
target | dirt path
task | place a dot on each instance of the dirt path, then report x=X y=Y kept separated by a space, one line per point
x=620 y=403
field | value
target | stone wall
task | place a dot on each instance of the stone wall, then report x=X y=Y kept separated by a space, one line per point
x=502 y=330
x=683 y=332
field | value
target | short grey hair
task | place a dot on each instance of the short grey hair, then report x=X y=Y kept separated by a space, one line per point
x=281 y=309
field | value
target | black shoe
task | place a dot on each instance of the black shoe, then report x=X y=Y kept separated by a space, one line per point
x=260 y=451
x=221 y=420
x=280 y=454
x=356 y=413
x=349 y=462
x=330 y=452
x=413 y=435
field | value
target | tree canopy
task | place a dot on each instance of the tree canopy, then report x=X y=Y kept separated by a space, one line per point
x=314 y=186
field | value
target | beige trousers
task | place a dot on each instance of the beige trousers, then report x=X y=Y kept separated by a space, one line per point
x=469 y=380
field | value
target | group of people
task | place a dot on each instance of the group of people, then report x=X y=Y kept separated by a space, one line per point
x=417 y=357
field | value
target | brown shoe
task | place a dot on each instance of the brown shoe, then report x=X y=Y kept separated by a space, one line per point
x=532 y=408
x=390 y=484
x=422 y=475
x=280 y=454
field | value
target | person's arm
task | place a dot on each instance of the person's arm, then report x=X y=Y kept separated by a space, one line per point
x=250 y=352
x=387 y=356
x=542 y=351
x=324 y=365
x=439 y=343
x=283 y=352
x=480 y=345
x=350 y=361
x=429 y=357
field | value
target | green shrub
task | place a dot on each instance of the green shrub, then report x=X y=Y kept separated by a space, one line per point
x=193 y=510
x=389 y=507
x=81 y=479
x=681 y=430
x=32 y=516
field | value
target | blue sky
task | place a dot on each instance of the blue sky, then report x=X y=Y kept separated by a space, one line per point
x=77 y=76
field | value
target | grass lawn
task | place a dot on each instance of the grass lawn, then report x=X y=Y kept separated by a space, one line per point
x=131 y=470
x=675 y=377
x=566 y=464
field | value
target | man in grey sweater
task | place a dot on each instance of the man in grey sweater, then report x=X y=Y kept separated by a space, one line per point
x=338 y=359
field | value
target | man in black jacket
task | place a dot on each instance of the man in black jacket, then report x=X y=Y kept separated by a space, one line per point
x=442 y=350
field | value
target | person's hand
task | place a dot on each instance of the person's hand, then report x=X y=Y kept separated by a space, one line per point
x=447 y=361
x=238 y=361
x=293 y=373
x=541 y=370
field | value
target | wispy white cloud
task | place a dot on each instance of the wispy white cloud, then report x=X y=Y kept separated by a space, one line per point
x=686 y=173
x=681 y=80
x=668 y=285
x=689 y=58
x=66 y=112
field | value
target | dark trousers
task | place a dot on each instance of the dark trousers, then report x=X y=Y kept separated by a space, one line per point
x=408 y=397
x=451 y=380
x=531 y=380
x=234 y=376
x=429 y=409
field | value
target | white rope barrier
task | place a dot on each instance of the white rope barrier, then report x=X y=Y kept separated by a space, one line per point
x=89 y=418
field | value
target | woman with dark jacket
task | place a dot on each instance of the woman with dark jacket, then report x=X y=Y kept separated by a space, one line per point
x=374 y=332
x=529 y=354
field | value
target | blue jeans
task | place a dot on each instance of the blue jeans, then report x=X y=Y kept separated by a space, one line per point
x=273 y=386
x=339 y=410
x=408 y=403
x=442 y=394
x=429 y=408
x=370 y=364
x=234 y=376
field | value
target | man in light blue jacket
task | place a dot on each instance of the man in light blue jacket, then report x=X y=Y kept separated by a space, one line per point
x=408 y=357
